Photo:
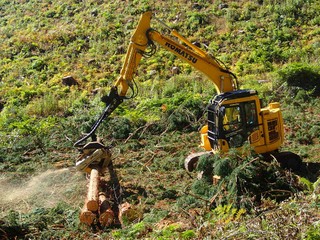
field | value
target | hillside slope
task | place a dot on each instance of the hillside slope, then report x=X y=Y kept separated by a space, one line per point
x=266 y=43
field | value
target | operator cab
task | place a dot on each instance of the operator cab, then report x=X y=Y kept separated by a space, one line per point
x=232 y=118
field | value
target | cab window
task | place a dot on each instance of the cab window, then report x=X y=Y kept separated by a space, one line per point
x=251 y=113
x=231 y=118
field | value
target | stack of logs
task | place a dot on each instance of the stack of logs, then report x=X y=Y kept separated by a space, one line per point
x=96 y=204
x=98 y=208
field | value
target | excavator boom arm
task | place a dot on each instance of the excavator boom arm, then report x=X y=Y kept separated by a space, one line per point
x=220 y=77
x=143 y=37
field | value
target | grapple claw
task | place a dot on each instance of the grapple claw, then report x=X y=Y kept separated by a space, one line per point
x=191 y=161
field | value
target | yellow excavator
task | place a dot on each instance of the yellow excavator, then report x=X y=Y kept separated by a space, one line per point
x=234 y=116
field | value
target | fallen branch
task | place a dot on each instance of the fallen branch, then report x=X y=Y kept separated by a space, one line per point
x=196 y=196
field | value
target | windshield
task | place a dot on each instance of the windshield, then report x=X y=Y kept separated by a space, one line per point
x=231 y=118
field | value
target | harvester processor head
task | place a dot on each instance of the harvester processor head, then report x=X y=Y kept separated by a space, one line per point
x=93 y=154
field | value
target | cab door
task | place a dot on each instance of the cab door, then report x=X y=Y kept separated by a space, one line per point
x=238 y=122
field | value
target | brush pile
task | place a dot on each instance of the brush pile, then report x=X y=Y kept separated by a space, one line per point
x=243 y=181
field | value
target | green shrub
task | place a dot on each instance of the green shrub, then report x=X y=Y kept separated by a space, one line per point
x=120 y=127
x=302 y=76
x=223 y=167
x=301 y=119
x=178 y=119
x=188 y=234
x=196 y=20
x=188 y=202
x=313 y=232
x=40 y=222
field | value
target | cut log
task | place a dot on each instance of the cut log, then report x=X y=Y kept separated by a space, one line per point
x=106 y=216
x=86 y=216
x=93 y=190
x=128 y=213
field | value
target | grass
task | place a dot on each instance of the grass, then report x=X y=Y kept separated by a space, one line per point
x=40 y=118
